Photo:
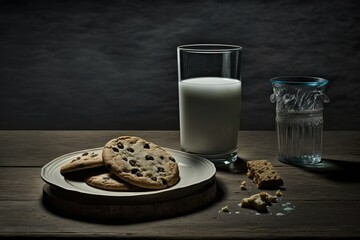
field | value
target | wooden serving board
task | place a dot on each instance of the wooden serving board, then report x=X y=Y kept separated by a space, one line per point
x=106 y=209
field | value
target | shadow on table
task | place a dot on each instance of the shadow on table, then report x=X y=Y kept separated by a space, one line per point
x=92 y=210
x=336 y=169
x=239 y=166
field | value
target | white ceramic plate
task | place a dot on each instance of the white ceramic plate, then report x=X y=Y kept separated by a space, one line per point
x=194 y=173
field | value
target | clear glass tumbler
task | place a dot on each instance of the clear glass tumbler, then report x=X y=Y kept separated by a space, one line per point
x=209 y=100
x=299 y=118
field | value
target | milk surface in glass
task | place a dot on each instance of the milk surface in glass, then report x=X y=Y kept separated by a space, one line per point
x=209 y=114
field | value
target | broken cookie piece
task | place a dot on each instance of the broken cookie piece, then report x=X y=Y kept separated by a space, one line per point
x=243 y=185
x=258 y=202
x=264 y=174
x=224 y=209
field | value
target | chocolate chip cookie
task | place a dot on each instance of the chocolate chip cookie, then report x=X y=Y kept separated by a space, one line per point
x=82 y=161
x=140 y=162
x=108 y=181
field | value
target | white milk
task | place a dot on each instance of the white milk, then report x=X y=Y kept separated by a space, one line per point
x=209 y=114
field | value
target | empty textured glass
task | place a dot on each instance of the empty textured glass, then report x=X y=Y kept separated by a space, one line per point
x=299 y=118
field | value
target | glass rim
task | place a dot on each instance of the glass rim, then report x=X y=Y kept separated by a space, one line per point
x=300 y=81
x=209 y=47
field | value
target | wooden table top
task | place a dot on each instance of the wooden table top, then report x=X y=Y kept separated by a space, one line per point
x=326 y=204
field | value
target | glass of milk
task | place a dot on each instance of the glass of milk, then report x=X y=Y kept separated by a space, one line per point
x=209 y=100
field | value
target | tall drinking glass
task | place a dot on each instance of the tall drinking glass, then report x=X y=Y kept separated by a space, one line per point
x=299 y=118
x=209 y=100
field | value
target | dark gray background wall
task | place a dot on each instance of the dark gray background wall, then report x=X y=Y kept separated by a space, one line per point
x=112 y=64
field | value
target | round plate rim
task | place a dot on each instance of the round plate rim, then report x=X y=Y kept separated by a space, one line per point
x=175 y=189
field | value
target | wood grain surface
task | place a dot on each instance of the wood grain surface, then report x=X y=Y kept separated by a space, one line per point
x=326 y=204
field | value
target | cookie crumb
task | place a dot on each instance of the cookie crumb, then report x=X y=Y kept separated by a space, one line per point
x=258 y=202
x=243 y=185
x=279 y=193
x=224 y=209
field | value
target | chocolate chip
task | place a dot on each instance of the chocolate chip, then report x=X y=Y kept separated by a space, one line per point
x=146 y=145
x=105 y=178
x=139 y=174
x=172 y=159
x=115 y=149
x=161 y=157
x=125 y=159
x=78 y=158
x=132 y=162
x=120 y=145
x=148 y=157
x=164 y=181
x=130 y=149
x=153 y=178
x=82 y=165
x=134 y=170
x=85 y=153
x=160 y=169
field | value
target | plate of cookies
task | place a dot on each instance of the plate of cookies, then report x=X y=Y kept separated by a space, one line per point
x=129 y=167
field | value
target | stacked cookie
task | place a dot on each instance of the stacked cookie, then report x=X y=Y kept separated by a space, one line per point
x=127 y=163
